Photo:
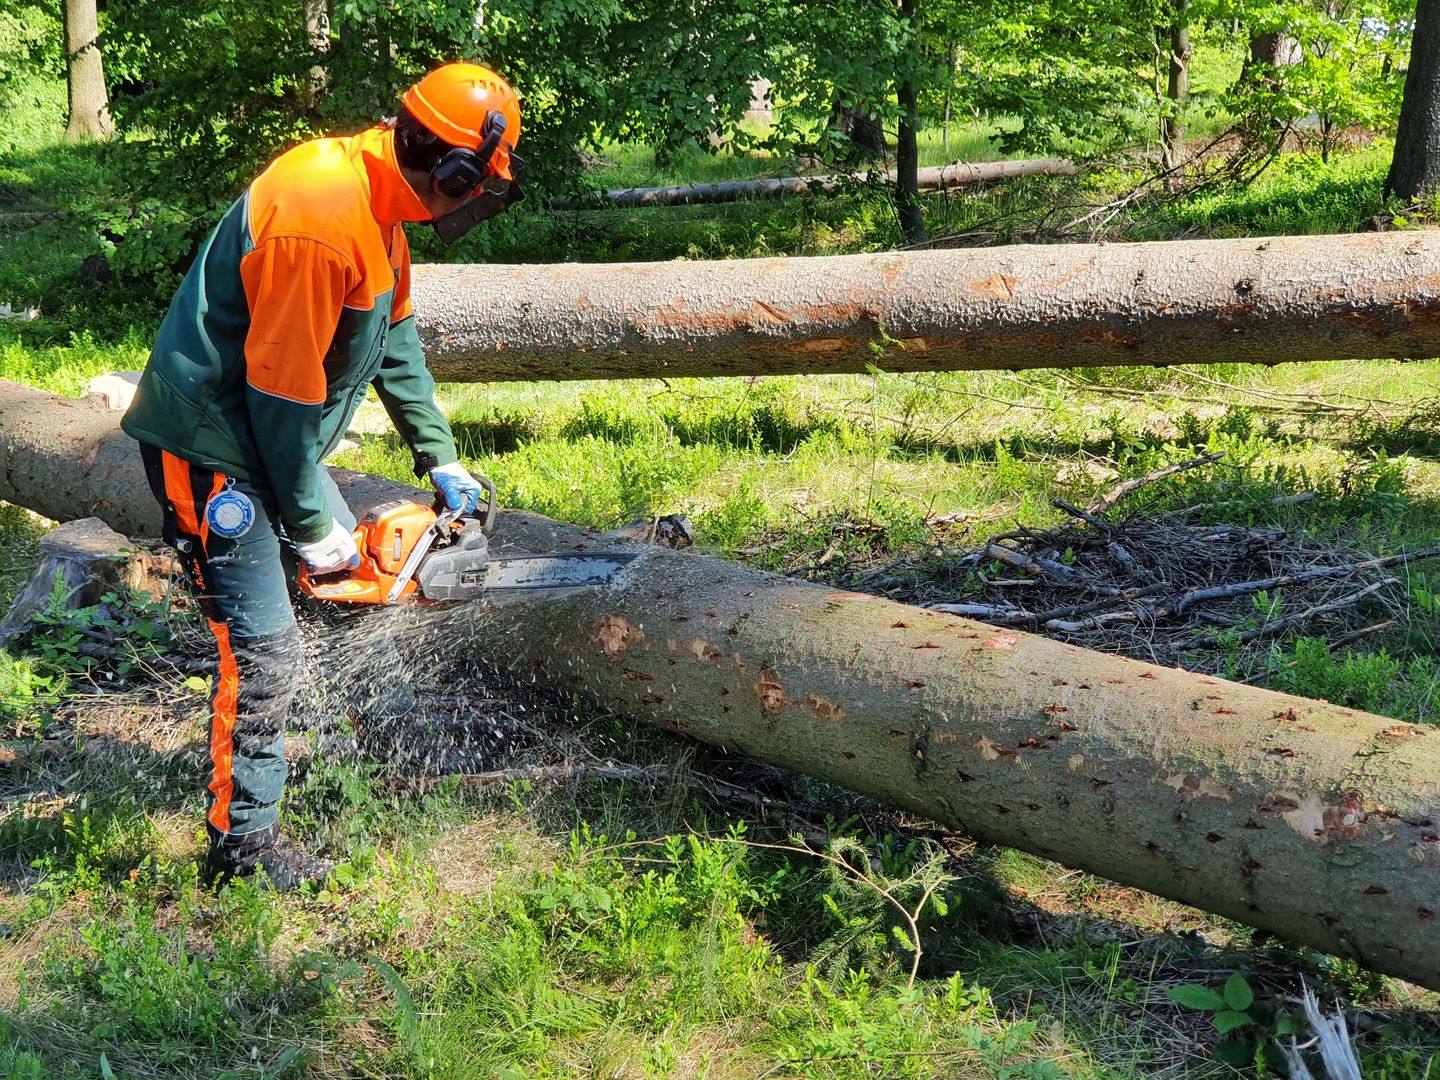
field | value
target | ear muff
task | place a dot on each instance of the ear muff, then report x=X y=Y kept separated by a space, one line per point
x=462 y=170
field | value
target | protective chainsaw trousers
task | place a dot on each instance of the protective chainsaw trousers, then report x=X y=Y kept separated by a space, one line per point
x=231 y=543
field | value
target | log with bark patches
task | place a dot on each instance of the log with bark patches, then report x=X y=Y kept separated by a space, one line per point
x=1266 y=301
x=938 y=177
x=1317 y=822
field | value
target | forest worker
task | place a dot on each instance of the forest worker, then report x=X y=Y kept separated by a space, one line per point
x=297 y=303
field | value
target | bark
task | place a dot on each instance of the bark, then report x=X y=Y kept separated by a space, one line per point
x=1177 y=89
x=1415 y=167
x=907 y=151
x=1261 y=58
x=89 y=559
x=935 y=177
x=1275 y=300
x=316 y=14
x=89 y=116
x=1268 y=50
x=1317 y=822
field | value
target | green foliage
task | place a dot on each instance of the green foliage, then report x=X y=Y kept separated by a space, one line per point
x=864 y=894
x=26 y=691
x=31 y=46
x=128 y=628
x=1359 y=680
x=149 y=244
x=217 y=86
x=647 y=950
x=1075 y=75
x=78 y=849
x=222 y=86
x=1250 y=1028
x=139 y=981
x=1341 y=67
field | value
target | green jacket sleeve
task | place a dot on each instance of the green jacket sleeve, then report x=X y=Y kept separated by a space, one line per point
x=407 y=390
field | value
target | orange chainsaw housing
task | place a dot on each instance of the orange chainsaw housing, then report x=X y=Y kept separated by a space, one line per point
x=385 y=536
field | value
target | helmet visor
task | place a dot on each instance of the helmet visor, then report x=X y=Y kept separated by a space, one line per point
x=494 y=196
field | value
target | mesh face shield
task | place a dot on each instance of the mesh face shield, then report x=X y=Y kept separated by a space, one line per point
x=494 y=197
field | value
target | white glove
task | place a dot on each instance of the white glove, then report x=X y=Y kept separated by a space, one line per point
x=335 y=552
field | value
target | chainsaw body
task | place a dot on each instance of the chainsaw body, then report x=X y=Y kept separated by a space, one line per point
x=403 y=546
x=411 y=553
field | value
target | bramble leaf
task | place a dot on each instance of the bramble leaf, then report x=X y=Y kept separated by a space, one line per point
x=1200 y=998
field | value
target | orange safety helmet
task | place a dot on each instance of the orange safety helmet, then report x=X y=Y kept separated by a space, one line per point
x=454 y=103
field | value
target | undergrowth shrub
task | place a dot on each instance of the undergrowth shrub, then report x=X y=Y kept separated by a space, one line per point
x=1359 y=680
x=135 y=980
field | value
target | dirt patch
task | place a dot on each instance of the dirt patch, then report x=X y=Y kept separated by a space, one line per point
x=473 y=858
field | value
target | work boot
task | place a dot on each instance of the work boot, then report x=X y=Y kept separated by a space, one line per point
x=271 y=860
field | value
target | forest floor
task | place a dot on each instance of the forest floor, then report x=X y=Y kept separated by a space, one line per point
x=486 y=921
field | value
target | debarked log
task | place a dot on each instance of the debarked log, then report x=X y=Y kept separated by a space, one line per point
x=1317 y=822
x=932 y=178
x=1269 y=301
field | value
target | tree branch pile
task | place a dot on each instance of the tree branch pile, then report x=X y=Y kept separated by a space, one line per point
x=1169 y=588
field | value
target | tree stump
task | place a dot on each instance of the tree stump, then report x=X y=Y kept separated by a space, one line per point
x=87 y=558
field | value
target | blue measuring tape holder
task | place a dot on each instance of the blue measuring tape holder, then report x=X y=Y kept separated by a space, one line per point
x=230 y=514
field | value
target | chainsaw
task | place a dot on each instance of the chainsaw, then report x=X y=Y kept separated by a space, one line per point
x=412 y=553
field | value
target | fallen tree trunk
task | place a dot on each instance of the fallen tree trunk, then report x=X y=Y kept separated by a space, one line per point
x=1317 y=822
x=937 y=177
x=1267 y=301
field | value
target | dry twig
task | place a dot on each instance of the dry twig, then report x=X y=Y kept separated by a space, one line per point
x=1128 y=487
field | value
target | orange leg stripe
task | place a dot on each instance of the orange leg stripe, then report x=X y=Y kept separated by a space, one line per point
x=227 y=692
x=215 y=489
x=177 y=487
x=222 y=730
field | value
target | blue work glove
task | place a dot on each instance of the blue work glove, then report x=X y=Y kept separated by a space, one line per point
x=456 y=486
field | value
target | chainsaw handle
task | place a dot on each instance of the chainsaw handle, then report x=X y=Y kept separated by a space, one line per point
x=487 y=519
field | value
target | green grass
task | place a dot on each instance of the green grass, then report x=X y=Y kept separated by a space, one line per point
x=581 y=957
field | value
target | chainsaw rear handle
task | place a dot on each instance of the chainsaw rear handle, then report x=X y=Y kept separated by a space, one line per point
x=487 y=519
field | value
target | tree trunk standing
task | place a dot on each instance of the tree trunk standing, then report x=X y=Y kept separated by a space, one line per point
x=1257 y=72
x=945 y=120
x=1177 y=89
x=89 y=115
x=866 y=135
x=1415 y=168
x=1308 y=819
x=317 y=33
x=907 y=166
x=907 y=152
x=1063 y=305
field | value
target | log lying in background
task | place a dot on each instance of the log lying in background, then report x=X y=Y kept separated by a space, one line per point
x=1193 y=301
x=1314 y=821
x=937 y=177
